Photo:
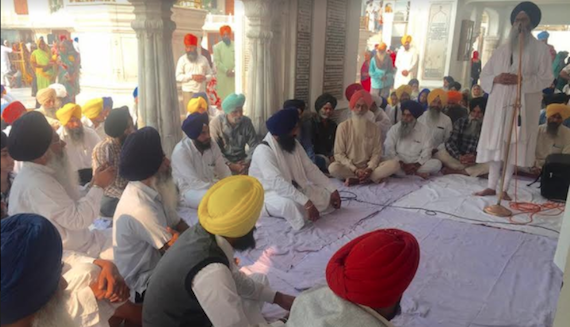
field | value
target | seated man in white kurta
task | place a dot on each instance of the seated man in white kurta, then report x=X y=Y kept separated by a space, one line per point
x=410 y=143
x=295 y=189
x=197 y=162
x=439 y=123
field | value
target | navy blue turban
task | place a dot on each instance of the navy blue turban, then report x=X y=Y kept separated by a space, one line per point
x=141 y=155
x=415 y=108
x=107 y=102
x=323 y=99
x=480 y=102
x=194 y=123
x=31 y=265
x=30 y=137
x=294 y=103
x=136 y=92
x=117 y=122
x=530 y=9
x=282 y=122
x=4 y=141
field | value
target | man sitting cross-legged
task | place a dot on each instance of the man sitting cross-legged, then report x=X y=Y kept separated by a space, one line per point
x=358 y=147
x=439 y=123
x=295 y=189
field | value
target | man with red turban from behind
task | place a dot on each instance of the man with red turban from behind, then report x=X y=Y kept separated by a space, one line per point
x=224 y=58
x=366 y=280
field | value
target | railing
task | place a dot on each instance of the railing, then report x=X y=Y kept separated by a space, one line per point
x=196 y=4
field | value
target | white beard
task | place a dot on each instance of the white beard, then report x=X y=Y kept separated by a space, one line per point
x=359 y=122
x=54 y=313
x=514 y=38
x=164 y=184
x=64 y=174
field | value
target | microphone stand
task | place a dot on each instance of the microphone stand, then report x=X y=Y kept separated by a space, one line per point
x=498 y=209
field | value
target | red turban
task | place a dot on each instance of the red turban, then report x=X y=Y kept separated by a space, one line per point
x=13 y=111
x=225 y=29
x=454 y=96
x=190 y=39
x=351 y=89
x=374 y=269
x=361 y=94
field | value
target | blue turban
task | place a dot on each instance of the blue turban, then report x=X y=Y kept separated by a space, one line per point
x=31 y=265
x=194 y=123
x=415 y=108
x=136 y=92
x=294 y=103
x=543 y=35
x=141 y=155
x=233 y=101
x=107 y=102
x=424 y=105
x=282 y=122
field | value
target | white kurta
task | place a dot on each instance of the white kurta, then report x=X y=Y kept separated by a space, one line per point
x=100 y=130
x=440 y=128
x=80 y=155
x=394 y=114
x=406 y=60
x=415 y=148
x=195 y=172
x=35 y=190
x=185 y=69
x=536 y=75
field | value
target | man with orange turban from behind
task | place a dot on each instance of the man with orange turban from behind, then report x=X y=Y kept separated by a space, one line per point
x=224 y=59
x=406 y=62
x=366 y=280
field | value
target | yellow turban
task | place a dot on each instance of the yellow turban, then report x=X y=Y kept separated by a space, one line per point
x=558 y=108
x=198 y=105
x=406 y=38
x=232 y=206
x=403 y=89
x=69 y=110
x=382 y=46
x=442 y=94
x=44 y=95
x=93 y=108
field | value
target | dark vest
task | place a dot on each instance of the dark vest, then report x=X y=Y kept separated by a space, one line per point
x=169 y=299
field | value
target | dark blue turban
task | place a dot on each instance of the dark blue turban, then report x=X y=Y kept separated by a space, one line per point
x=294 y=103
x=4 y=141
x=30 y=137
x=136 y=92
x=194 y=123
x=531 y=10
x=107 y=102
x=415 y=108
x=480 y=102
x=31 y=265
x=282 y=122
x=141 y=155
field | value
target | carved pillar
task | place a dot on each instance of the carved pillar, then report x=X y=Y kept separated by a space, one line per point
x=158 y=105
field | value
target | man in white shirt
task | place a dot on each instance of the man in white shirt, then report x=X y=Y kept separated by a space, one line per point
x=406 y=62
x=46 y=185
x=95 y=113
x=50 y=103
x=197 y=282
x=403 y=94
x=410 y=143
x=146 y=221
x=192 y=70
x=5 y=51
x=439 y=124
x=197 y=162
x=80 y=140
x=295 y=188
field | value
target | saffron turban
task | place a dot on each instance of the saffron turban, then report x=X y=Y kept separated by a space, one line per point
x=480 y=102
x=190 y=40
x=441 y=93
x=406 y=39
x=197 y=104
x=454 y=96
x=92 y=108
x=136 y=92
x=117 y=122
x=403 y=89
x=13 y=111
x=558 y=108
x=68 y=111
x=232 y=206
x=30 y=137
x=141 y=155
x=4 y=142
x=60 y=90
x=194 y=123
x=225 y=29
x=362 y=94
x=323 y=99
x=415 y=108
x=282 y=122
x=31 y=265
x=382 y=46
x=45 y=95
x=374 y=269
x=530 y=9
x=351 y=89
x=295 y=103
x=232 y=102
x=543 y=35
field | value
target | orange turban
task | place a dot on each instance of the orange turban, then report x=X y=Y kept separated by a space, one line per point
x=225 y=29
x=190 y=39
x=454 y=96
x=382 y=46
x=438 y=93
x=406 y=38
x=362 y=94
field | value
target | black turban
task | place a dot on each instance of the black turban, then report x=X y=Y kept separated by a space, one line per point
x=4 y=141
x=480 y=102
x=449 y=80
x=324 y=99
x=294 y=103
x=30 y=137
x=194 y=123
x=559 y=98
x=117 y=122
x=282 y=122
x=415 y=108
x=532 y=11
x=141 y=155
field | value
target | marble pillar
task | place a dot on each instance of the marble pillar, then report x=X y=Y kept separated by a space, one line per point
x=158 y=104
x=490 y=43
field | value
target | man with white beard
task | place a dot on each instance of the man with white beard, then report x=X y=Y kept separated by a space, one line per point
x=192 y=71
x=439 y=124
x=499 y=79
x=409 y=144
x=80 y=140
x=146 y=221
x=50 y=103
x=47 y=185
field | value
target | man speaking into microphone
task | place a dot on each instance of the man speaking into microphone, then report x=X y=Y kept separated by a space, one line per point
x=499 y=78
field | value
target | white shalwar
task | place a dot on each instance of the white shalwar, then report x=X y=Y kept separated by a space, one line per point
x=36 y=190
x=100 y=130
x=80 y=155
x=415 y=148
x=440 y=128
x=277 y=170
x=195 y=172
x=139 y=232
x=406 y=60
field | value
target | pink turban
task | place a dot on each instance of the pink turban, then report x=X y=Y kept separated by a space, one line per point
x=362 y=94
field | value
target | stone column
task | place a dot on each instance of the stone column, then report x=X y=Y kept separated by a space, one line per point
x=489 y=45
x=158 y=105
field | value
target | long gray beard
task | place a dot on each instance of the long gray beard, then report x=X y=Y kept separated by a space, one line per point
x=164 y=184
x=552 y=129
x=64 y=173
x=474 y=128
x=406 y=129
x=433 y=114
x=514 y=38
x=360 y=122
x=76 y=135
x=54 y=313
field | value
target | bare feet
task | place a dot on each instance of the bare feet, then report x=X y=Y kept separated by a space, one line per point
x=486 y=192
x=506 y=197
x=449 y=171
x=423 y=175
x=351 y=182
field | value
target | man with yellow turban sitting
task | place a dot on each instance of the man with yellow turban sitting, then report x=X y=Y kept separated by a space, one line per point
x=403 y=93
x=80 y=141
x=94 y=114
x=233 y=131
x=366 y=280
x=439 y=123
x=198 y=103
x=197 y=283
x=406 y=62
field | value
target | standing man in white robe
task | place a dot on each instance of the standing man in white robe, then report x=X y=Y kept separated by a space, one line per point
x=499 y=79
x=295 y=189
x=406 y=62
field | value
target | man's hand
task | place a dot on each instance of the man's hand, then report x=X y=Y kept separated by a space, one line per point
x=238 y=167
x=467 y=159
x=110 y=284
x=312 y=211
x=335 y=200
x=535 y=171
x=365 y=177
x=331 y=159
x=405 y=73
x=230 y=73
x=104 y=176
x=284 y=301
x=198 y=78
